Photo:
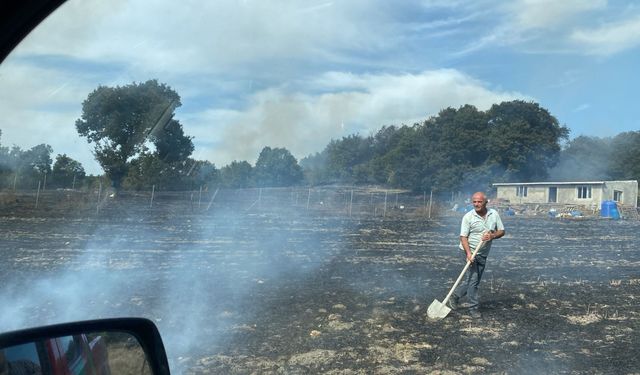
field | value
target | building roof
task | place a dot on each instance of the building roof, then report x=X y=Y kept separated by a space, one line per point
x=561 y=183
x=550 y=183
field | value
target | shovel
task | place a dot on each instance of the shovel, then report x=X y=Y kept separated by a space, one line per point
x=438 y=310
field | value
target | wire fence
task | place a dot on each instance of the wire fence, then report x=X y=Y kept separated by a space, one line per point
x=343 y=201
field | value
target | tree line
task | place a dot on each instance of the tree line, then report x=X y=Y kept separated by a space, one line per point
x=139 y=144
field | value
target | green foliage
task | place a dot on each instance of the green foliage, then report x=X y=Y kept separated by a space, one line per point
x=524 y=139
x=24 y=168
x=276 y=168
x=460 y=148
x=120 y=120
x=238 y=174
x=314 y=168
x=625 y=156
x=344 y=155
x=66 y=172
x=204 y=173
x=150 y=170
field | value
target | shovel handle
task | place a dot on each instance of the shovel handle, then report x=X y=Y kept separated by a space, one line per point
x=466 y=266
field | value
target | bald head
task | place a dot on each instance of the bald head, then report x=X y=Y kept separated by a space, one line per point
x=479 y=201
x=478 y=195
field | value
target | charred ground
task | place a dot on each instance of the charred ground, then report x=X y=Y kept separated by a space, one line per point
x=300 y=291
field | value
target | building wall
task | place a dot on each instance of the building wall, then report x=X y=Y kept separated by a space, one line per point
x=629 y=191
x=568 y=193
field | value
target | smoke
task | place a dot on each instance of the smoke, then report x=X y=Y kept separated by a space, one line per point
x=303 y=116
x=193 y=275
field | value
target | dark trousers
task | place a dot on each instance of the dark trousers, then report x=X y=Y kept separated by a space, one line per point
x=469 y=284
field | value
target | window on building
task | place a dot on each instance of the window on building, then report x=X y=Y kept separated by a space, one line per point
x=521 y=191
x=617 y=195
x=584 y=192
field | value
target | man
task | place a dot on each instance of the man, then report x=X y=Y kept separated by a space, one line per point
x=479 y=224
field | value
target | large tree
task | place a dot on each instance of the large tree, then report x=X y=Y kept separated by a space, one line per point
x=524 y=139
x=276 y=167
x=121 y=120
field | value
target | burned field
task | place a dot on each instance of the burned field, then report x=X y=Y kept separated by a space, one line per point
x=298 y=291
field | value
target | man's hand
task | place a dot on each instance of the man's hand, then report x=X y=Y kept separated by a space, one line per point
x=487 y=236
x=469 y=258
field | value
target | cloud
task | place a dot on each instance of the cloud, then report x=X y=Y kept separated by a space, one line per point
x=610 y=38
x=160 y=37
x=289 y=74
x=582 y=107
x=546 y=14
x=533 y=25
x=41 y=106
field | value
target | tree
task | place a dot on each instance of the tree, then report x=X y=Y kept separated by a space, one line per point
x=149 y=169
x=238 y=174
x=314 y=168
x=524 y=139
x=36 y=160
x=625 y=156
x=67 y=172
x=460 y=148
x=345 y=154
x=171 y=144
x=204 y=173
x=276 y=168
x=120 y=120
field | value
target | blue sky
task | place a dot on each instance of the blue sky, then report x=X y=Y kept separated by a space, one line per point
x=296 y=74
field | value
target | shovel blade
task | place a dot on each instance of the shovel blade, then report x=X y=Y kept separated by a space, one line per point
x=437 y=310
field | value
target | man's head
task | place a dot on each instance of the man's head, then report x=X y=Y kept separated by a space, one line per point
x=479 y=201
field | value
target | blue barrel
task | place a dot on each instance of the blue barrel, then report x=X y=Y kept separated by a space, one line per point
x=609 y=209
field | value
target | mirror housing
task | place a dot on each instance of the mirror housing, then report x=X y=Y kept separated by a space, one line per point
x=144 y=331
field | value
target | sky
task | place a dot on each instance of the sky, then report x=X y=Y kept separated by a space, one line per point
x=296 y=74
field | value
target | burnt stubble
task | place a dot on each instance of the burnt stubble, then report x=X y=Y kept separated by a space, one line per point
x=299 y=291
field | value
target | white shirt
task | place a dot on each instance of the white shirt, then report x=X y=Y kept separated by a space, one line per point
x=474 y=225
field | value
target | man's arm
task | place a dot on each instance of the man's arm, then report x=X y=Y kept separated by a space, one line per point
x=497 y=232
x=488 y=236
x=464 y=240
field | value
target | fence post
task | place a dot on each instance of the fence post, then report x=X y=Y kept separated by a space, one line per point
x=153 y=190
x=424 y=200
x=384 y=213
x=212 y=198
x=99 y=194
x=351 y=203
x=200 y=197
x=38 y=195
x=308 y=198
x=371 y=203
x=430 y=202
x=15 y=180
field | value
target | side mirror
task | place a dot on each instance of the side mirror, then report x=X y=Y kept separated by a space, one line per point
x=102 y=347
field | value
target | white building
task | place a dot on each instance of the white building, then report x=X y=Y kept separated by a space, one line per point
x=584 y=193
